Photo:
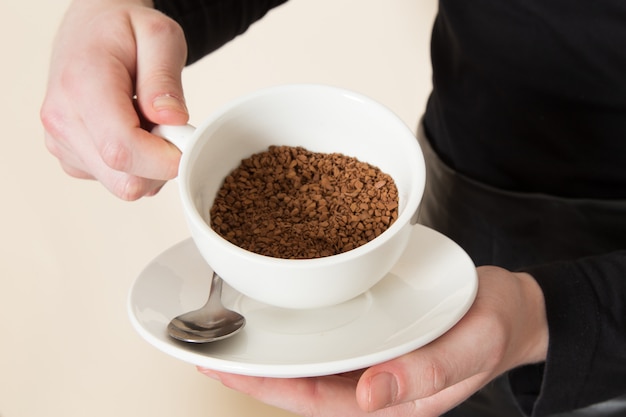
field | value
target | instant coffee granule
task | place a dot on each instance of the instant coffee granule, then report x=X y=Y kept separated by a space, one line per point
x=288 y=202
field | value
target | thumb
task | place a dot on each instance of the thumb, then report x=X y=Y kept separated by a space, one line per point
x=161 y=57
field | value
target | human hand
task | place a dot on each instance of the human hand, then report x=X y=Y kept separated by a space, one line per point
x=506 y=327
x=106 y=53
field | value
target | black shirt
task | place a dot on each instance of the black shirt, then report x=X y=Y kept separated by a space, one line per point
x=208 y=24
x=530 y=95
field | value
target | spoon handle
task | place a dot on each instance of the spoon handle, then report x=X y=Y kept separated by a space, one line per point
x=213 y=302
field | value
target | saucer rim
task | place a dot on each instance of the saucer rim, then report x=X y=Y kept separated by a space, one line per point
x=192 y=353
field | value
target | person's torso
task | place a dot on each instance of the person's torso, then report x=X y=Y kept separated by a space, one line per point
x=530 y=95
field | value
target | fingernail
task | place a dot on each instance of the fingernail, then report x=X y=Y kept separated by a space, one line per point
x=209 y=373
x=169 y=102
x=383 y=391
x=154 y=191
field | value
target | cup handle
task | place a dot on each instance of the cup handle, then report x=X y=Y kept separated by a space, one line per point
x=179 y=136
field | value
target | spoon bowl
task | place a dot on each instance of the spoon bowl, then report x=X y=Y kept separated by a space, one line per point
x=210 y=323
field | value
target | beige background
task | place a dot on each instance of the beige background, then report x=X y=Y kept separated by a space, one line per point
x=69 y=250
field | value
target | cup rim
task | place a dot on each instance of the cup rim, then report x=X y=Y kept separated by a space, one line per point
x=407 y=215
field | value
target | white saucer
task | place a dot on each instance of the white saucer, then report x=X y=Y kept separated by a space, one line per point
x=427 y=292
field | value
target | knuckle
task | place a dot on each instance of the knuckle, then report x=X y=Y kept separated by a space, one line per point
x=129 y=188
x=435 y=378
x=425 y=379
x=163 y=26
x=311 y=408
x=116 y=154
x=494 y=325
x=52 y=119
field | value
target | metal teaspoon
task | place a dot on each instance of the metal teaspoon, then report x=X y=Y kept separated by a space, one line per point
x=209 y=323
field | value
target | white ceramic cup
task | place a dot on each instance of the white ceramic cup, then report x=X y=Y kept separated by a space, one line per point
x=320 y=119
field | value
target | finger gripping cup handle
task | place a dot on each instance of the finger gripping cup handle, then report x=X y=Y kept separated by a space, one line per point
x=179 y=136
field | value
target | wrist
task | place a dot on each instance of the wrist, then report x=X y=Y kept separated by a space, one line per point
x=536 y=335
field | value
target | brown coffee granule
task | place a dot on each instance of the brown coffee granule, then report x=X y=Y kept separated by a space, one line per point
x=288 y=202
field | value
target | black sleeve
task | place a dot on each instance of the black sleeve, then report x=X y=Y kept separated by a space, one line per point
x=209 y=24
x=586 y=311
